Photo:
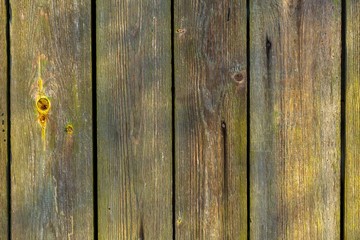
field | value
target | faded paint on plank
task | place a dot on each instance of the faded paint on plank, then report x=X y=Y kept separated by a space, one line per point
x=210 y=119
x=134 y=130
x=51 y=175
x=295 y=119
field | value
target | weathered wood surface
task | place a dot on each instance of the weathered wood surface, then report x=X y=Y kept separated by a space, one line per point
x=134 y=130
x=4 y=125
x=295 y=75
x=51 y=119
x=210 y=119
x=352 y=122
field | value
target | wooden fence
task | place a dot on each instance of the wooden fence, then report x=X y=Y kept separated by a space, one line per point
x=182 y=119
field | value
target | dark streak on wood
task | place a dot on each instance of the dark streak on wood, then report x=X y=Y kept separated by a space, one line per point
x=268 y=49
x=225 y=178
x=224 y=136
x=141 y=230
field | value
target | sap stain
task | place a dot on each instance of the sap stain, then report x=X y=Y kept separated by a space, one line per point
x=42 y=103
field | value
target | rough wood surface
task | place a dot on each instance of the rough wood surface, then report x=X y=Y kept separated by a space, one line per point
x=295 y=79
x=210 y=119
x=3 y=125
x=352 y=122
x=134 y=119
x=51 y=119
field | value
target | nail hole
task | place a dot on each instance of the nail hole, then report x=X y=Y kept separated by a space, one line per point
x=179 y=221
x=43 y=105
x=42 y=119
x=69 y=129
x=180 y=30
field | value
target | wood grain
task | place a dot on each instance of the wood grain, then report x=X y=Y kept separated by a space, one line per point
x=295 y=80
x=51 y=170
x=3 y=124
x=352 y=122
x=210 y=119
x=134 y=130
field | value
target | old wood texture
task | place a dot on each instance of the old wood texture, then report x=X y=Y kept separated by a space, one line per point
x=51 y=119
x=210 y=119
x=3 y=124
x=295 y=80
x=134 y=126
x=352 y=122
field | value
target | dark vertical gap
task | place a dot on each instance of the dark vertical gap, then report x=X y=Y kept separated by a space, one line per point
x=343 y=117
x=173 y=119
x=8 y=52
x=94 y=113
x=225 y=176
x=248 y=114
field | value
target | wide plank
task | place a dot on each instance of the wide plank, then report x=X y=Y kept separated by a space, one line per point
x=134 y=119
x=295 y=76
x=210 y=119
x=51 y=119
x=352 y=122
x=4 y=191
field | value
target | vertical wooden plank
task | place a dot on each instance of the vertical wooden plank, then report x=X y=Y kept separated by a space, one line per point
x=134 y=129
x=210 y=119
x=3 y=125
x=352 y=122
x=51 y=117
x=295 y=119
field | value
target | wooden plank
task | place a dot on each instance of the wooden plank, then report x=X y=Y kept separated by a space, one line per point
x=51 y=117
x=134 y=130
x=295 y=80
x=210 y=119
x=352 y=122
x=3 y=127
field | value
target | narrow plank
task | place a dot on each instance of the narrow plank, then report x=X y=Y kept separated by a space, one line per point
x=295 y=119
x=134 y=130
x=51 y=117
x=210 y=119
x=3 y=127
x=352 y=122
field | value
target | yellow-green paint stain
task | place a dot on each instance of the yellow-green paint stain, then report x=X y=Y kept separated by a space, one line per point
x=42 y=104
